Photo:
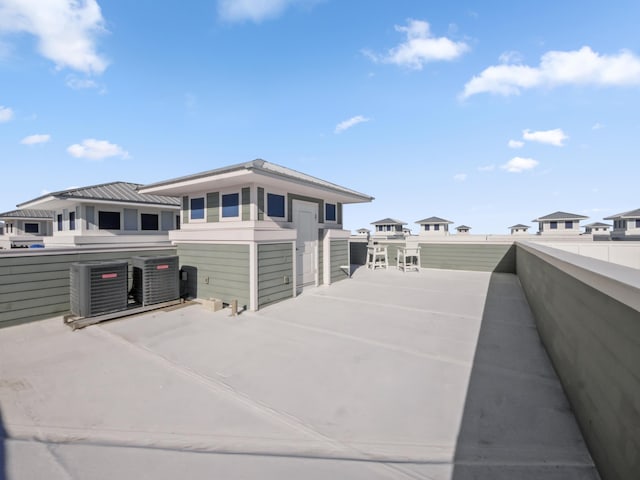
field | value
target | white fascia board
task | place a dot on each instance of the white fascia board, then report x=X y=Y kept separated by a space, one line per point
x=39 y=204
x=197 y=185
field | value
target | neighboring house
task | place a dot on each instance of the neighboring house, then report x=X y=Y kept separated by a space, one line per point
x=363 y=232
x=626 y=225
x=108 y=214
x=434 y=227
x=388 y=228
x=597 y=228
x=559 y=223
x=258 y=232
x=519 y=229
x=25 y=227
x=463 y=229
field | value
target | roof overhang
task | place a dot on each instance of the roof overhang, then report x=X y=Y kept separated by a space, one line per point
x=57 y=203
x=244 y=175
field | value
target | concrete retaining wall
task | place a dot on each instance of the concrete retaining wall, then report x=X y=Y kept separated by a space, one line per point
x=35 y=284
x=588 y=316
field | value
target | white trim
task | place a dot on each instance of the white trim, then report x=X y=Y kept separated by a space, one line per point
x=233 y=191
x=281 y=193
x=253 y=276
x=204 y=208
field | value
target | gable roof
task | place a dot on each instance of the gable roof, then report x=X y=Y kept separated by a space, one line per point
x=258 y=167
x=431 y=220
x=29 y=213
x=116 y=192
x=560 y=216
x=629 y=214
x=519 y=225
x=389 y=221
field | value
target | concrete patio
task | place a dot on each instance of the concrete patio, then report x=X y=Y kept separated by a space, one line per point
x=429 y=375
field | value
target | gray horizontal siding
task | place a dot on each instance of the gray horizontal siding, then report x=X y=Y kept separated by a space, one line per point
x=36 y=285
x=475 y=257
x=225 y=266
x=275 y=266
x=339 y=254
x=321 y=234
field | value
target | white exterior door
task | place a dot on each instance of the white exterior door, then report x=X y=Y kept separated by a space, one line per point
x=305 y=220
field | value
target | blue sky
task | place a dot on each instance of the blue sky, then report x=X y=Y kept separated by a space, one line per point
x=485 y=113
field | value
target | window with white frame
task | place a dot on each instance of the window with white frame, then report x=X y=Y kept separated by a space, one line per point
x=59 y=221
x=568 y=225
x=149 y=221
x=31 y=228
x=436 y=227
x=196 y=211
x=230 y=205
x=72 y=220
x=275 y=205
x=330 y=212
x=553 y=225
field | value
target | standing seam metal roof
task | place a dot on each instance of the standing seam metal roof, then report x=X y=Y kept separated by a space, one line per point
x=433 y=220
x=389 y=221
x=560 y=216
x=28 y=213
x=631 y=213
x=114 y=191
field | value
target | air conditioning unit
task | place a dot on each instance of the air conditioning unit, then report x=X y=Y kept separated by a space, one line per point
x=155 y=279
x=98 y=287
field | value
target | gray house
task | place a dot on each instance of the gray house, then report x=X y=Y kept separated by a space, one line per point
x=25 y=227
x=388 y=228
x=108 y=214
x=434 y=227
x=463 y=229
x=559 y=223
x=626 y=225
x=258 y=232
x=519 y=229
x=597 y=228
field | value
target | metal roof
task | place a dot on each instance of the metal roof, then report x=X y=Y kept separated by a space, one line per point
x=389 y=221
x=463 y=227
x=431 y=220
x=597 y=224
x=560 y=216
x=120 y=192
x=630 y=214
x=29 y=213
x=519 y=225
x=262 y=166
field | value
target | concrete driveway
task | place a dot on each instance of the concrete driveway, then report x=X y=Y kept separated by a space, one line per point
x=432 y=375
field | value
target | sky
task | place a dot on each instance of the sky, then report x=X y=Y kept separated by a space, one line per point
x=487 y=113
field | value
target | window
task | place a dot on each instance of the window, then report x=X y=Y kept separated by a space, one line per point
x=177 y=222
x=109 y=220
x=230 y=205
x=72 y=220
x=553 y=225
x=427 y=227
x=197 y=208
x=149 y=221
x=388 y=228
x=330 y=212
x=31 y=228
x=59 y=218
x=637 y=222
x=436 y=227
x=378 y=228
x=568 y=225
x=275 y=205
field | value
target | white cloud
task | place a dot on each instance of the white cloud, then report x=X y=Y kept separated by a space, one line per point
x=460 y=177
x=597 y=126
x=577 y=67
x=81 y=83
x=346 y=124
x=255 y=10
x=486 y=168
x=519 y=164
x=554 y=137
x=66 y=30
x=515 y=144
x=420 y=47
x=510 y=57
x=6 y=114
x=96 y=150
x=34 y=139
